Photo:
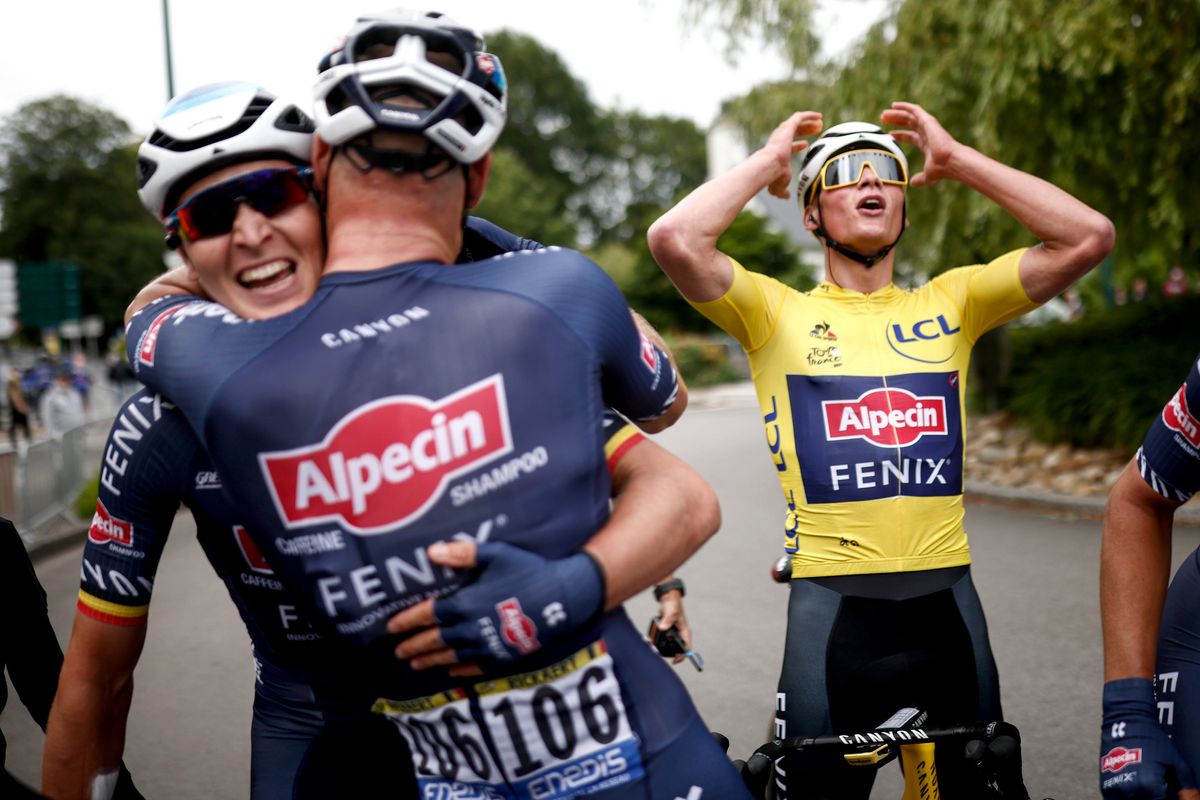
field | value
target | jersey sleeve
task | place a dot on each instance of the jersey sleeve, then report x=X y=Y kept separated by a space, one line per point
x=636 y=377
x=749 y=310
x=990 y=294
x=483 y=239
x=619 y=438
x=1169 y=458
x=138 y=497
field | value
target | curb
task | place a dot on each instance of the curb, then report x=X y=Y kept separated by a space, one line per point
x=59 y=534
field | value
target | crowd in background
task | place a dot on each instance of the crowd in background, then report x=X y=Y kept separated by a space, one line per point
x=50 y=395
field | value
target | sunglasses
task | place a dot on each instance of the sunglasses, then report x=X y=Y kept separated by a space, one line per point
x=847 y=169
x=212 y=211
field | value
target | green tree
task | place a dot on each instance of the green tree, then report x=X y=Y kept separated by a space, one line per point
x=748 y=238
x=68 y=192
x=518 y=200
x=1097 y=98
x=649 y=161
x=594 y=168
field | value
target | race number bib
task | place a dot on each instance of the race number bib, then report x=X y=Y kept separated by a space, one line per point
x=559 y=732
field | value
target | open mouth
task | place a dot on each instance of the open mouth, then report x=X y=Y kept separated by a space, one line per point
x=266 y=274
x=871 y=203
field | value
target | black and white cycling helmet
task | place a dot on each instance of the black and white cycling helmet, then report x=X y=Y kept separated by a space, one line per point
x=212 y=127
x=390 y=58
x=838 y=139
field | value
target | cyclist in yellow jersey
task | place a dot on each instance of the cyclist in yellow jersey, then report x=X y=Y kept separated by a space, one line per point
x=861 y=385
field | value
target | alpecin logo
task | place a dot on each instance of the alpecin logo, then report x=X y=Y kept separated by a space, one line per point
x=1178 y=417
x=386 y=463
x=250 y=552
x=649 y=354
x=515 y=627
x=885 y=417
x=1119 y=758
x=149 y=341
x=107 y=528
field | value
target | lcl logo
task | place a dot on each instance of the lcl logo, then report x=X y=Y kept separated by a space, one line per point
x=928 y=341
x=925 y=330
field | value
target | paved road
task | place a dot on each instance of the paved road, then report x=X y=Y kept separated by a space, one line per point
x=1037 y=576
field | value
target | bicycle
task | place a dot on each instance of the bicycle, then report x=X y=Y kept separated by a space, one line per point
x=994 y=748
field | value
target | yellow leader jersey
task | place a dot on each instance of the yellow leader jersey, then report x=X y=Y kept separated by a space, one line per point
x=862 y=399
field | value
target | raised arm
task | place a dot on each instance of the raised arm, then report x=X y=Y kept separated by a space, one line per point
x=684 y=240
x=180 y=280
x=1074 y=237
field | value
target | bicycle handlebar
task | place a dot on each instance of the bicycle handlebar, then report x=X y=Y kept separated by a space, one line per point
x=995 y=747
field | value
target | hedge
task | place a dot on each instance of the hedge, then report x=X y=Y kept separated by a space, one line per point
x=1100 y=381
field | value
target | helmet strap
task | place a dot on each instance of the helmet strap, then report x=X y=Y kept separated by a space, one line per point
x=433 y=163
x=868 y=260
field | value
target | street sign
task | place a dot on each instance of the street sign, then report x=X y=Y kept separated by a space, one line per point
x=48 y=293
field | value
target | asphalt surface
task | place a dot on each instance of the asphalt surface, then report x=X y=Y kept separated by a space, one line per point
x=1037 y=577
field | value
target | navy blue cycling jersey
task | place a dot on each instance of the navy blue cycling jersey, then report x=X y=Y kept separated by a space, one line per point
x=152 y=463
x=1169 y=458
x=410 y=404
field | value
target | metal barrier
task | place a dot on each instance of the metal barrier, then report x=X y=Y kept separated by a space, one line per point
x=39 y=482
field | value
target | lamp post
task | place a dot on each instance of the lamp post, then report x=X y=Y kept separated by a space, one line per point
x=167 y=40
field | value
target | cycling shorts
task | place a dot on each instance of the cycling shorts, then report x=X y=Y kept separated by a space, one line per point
x=291 y=735
x=859 y=647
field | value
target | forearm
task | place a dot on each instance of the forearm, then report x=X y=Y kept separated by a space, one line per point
x=86 y=733
x=684 y=240
x=1074 y=237
x=174 y=282
x=1135 y=557
x=85 y=737
x=658 y=521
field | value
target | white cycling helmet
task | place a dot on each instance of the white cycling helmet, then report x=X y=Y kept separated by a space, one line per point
x=838 y=139
x=405 y=53
x=212 y=127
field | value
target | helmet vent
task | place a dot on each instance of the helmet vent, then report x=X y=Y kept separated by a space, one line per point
x=145 y=171
x=293 y=119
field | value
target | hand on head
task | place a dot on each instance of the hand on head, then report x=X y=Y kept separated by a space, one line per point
x=783 y=145
x=922 y=130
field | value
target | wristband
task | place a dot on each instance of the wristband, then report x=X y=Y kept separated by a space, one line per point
x=669 y=586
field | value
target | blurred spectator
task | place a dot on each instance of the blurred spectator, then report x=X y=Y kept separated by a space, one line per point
x=1177 y=283
x=29 y=651
x=61 y=407
x=1140 y=288
x=1120 y=294
x=80 y=379
x=18 y=408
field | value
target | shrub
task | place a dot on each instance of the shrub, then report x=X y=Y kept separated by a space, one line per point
x=85 y=501
x=1099 y=382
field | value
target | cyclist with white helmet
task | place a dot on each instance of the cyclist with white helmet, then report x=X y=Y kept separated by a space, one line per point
x=861 y=385
x=480 y=377
x=238 y=135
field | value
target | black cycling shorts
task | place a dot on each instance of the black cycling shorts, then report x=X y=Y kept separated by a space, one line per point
x=861 y=647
